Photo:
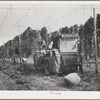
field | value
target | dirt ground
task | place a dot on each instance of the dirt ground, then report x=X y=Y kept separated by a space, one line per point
x=12 y=77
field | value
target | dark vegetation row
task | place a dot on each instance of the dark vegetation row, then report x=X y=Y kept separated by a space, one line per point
x=31 y=39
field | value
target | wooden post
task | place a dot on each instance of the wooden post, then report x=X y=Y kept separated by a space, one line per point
x=95 y=39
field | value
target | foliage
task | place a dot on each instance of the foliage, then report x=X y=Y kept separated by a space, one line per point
x=30 y=38
x=65 y=30
x=43 y=33
x=82 y=38
x=16 y=51
x=88 y=36
x=98 y=33
x=28 y=43
x=72 y=30
x=11 y=52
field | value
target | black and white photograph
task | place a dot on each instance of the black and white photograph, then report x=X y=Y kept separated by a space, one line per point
x=49 y=46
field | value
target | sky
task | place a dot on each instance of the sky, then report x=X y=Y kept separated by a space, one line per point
x=15 y=18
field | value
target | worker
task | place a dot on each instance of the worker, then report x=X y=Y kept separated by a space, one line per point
x=56 y=54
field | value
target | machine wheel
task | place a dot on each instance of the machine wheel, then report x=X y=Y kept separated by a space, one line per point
x=47 y=67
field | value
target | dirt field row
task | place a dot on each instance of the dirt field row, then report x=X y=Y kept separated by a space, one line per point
x=12 y=78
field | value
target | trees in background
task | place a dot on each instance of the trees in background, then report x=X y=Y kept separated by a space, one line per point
x=69 y=30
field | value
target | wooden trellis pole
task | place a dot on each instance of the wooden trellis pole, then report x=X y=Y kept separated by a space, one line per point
x=95 y=39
